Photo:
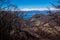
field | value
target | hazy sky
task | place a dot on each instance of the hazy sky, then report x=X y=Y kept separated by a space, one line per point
x=33 y=3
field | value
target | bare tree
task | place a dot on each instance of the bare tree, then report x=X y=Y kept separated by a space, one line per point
x=54 y=5
x=4 y=4
x=49 y=11
x=12 y=7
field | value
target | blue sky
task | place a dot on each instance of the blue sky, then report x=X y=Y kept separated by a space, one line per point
x=33 y=3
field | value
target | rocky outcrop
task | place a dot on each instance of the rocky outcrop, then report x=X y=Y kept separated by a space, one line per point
x=47 y=26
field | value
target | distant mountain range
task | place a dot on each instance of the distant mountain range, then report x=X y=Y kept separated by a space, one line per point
x=29 y=14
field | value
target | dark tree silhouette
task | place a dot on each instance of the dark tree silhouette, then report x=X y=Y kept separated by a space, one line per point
x=4 y=2
x=56 y=6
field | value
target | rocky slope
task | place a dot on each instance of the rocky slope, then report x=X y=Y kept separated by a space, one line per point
x=46 y=26
x=39 y=27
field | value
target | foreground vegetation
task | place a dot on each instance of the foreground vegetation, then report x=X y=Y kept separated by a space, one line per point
x=39 y=27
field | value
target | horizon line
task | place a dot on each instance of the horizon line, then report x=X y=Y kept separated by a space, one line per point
x=39 y=9
x=32 y=9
